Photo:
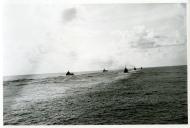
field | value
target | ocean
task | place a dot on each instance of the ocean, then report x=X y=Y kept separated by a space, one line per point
x=149 y=96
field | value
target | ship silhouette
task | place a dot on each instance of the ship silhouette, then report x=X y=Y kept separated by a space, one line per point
x=135 y=68
x=125 y=70
x=69 y=73
x=104 y=70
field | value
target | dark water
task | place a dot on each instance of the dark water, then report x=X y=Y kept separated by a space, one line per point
x=148 y=96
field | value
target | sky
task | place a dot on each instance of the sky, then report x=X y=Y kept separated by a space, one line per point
x=54 y=38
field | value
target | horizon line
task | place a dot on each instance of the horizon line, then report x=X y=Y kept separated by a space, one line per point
x=92 y=70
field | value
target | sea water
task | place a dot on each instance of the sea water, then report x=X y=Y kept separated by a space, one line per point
x=148 y=96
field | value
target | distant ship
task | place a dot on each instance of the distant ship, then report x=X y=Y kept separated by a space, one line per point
x=125 y=70
x=104 y=70
x=69 y=73
x=141 y=67
x=135 y=68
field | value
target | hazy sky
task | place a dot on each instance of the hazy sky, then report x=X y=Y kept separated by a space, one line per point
x=47 y=38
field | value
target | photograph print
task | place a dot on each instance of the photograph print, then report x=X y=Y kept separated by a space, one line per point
x=94 y=64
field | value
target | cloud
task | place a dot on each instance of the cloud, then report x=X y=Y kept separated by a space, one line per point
x=141 y=37
x=104 y=62
x=69 y=14
x=144 y=44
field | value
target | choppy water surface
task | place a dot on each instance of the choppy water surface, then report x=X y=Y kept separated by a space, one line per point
x=148 y=96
